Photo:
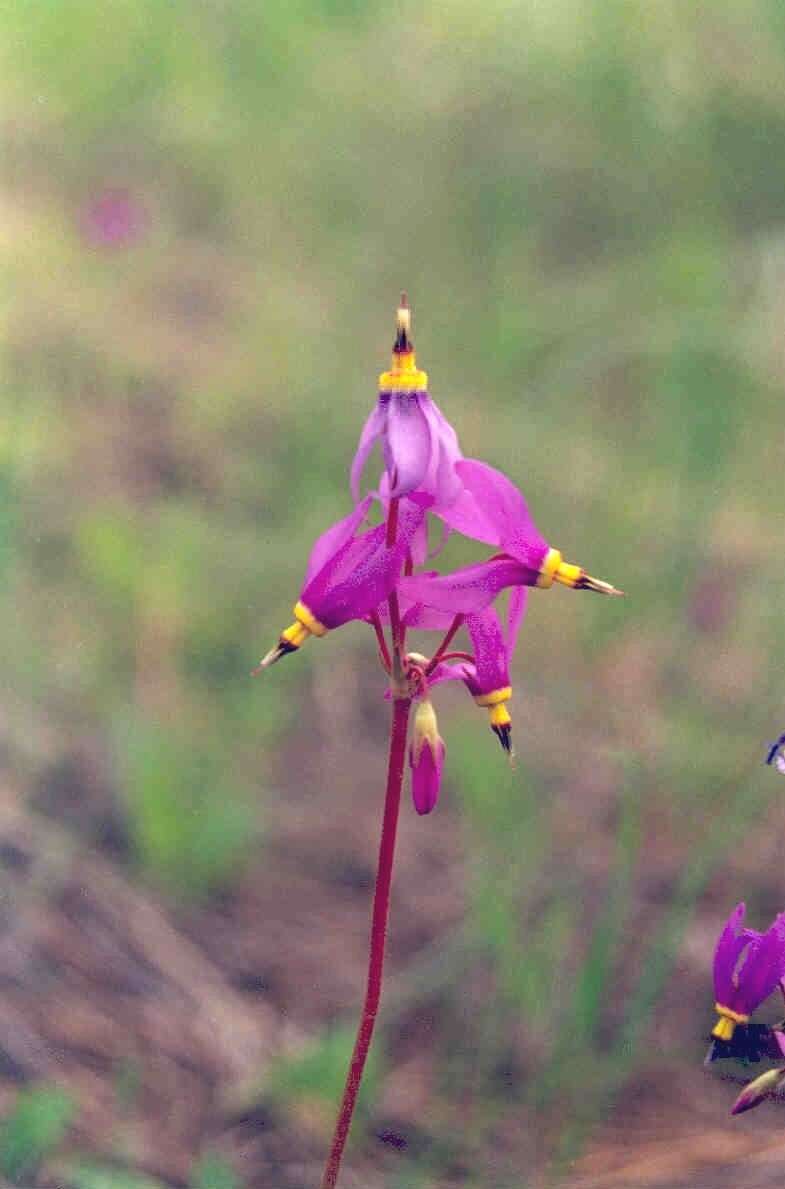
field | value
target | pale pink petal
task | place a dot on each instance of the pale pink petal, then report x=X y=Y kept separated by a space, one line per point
x=502 y=503
x=516 y=609
x=465 y=516
x=470 y=589
x=335 y=538
x=442 y=479
x=407 y=444
x=373 y=429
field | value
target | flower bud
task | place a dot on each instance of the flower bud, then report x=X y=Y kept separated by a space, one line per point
x=426 y=758
x=758 y=1090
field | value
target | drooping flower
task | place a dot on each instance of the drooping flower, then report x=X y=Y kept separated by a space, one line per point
x=488 y=677
x=747 y=967
x=426 y=758
x=491 y=509
x=348 y=575
x=419 y=446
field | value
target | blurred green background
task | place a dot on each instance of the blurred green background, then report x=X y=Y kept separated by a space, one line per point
x=208 y=212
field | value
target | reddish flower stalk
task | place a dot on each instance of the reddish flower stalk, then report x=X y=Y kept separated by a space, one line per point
x=381 y=897
x=381 y=908
x=377 y=576
x=445 y=644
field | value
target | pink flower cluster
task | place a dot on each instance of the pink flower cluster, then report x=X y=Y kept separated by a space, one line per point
x=378 y=575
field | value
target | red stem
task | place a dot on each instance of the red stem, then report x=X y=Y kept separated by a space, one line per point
x=381 y=908
x=380 y=640
x=445 y=644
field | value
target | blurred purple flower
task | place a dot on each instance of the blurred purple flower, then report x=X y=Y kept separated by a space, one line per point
x=419 y=446
x=776 y=754
x=741 y=985
x=113 y=219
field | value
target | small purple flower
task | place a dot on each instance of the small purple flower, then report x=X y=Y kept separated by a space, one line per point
x=419 y=446
x=488 y=678
x=113 y=219
x=491 y=509
x=747 y=967
x=776 y=754
x=349 y=575
x=426 y=758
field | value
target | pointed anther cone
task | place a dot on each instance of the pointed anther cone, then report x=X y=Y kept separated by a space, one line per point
x=758 y=1090
x=586 y=582
x=282 y=648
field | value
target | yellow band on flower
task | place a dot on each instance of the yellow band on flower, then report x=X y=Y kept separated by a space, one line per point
x=568 y=574
x=554 y=569
x=495 y=696
x=499 y=715
x=309 y=621
x=726 y=1025
x=403 y=375
x=549 y=567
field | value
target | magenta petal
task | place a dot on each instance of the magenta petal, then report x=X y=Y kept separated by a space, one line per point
x=469 y=590
x=502 y=502
x=426 y=776
x=407 y=443
x=419 y=546
x=442 y=478
x=364 y=571
x=465 y=516
x=425 y=619
x=764 y=966
x=729 y=947
x=445 y=671
x=519 y=597
x=372 y=430
x=335 y=538
x=490 y=651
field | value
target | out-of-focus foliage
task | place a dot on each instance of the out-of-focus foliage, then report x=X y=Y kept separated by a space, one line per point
x=34 y=1127
x=586 y=202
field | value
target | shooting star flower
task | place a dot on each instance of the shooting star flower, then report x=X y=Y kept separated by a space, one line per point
x=348 y=575
x=747 y=967
x=491 y=509
x=419 y=446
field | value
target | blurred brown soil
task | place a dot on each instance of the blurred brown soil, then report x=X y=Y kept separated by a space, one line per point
x=103 y=988
x=163 y=1022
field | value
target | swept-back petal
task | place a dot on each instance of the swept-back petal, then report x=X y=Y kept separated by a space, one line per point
x=442 y=478
x=364 y=571
x=516 y=609
x=407 y=443
x=331 y=541
x=729 y=948
x=445 y=671
x=464 y=515
x=490 y=651
x=502 y=503
x=419 y=546
x=764 y=965
x=470 y=589
x=373 y=428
